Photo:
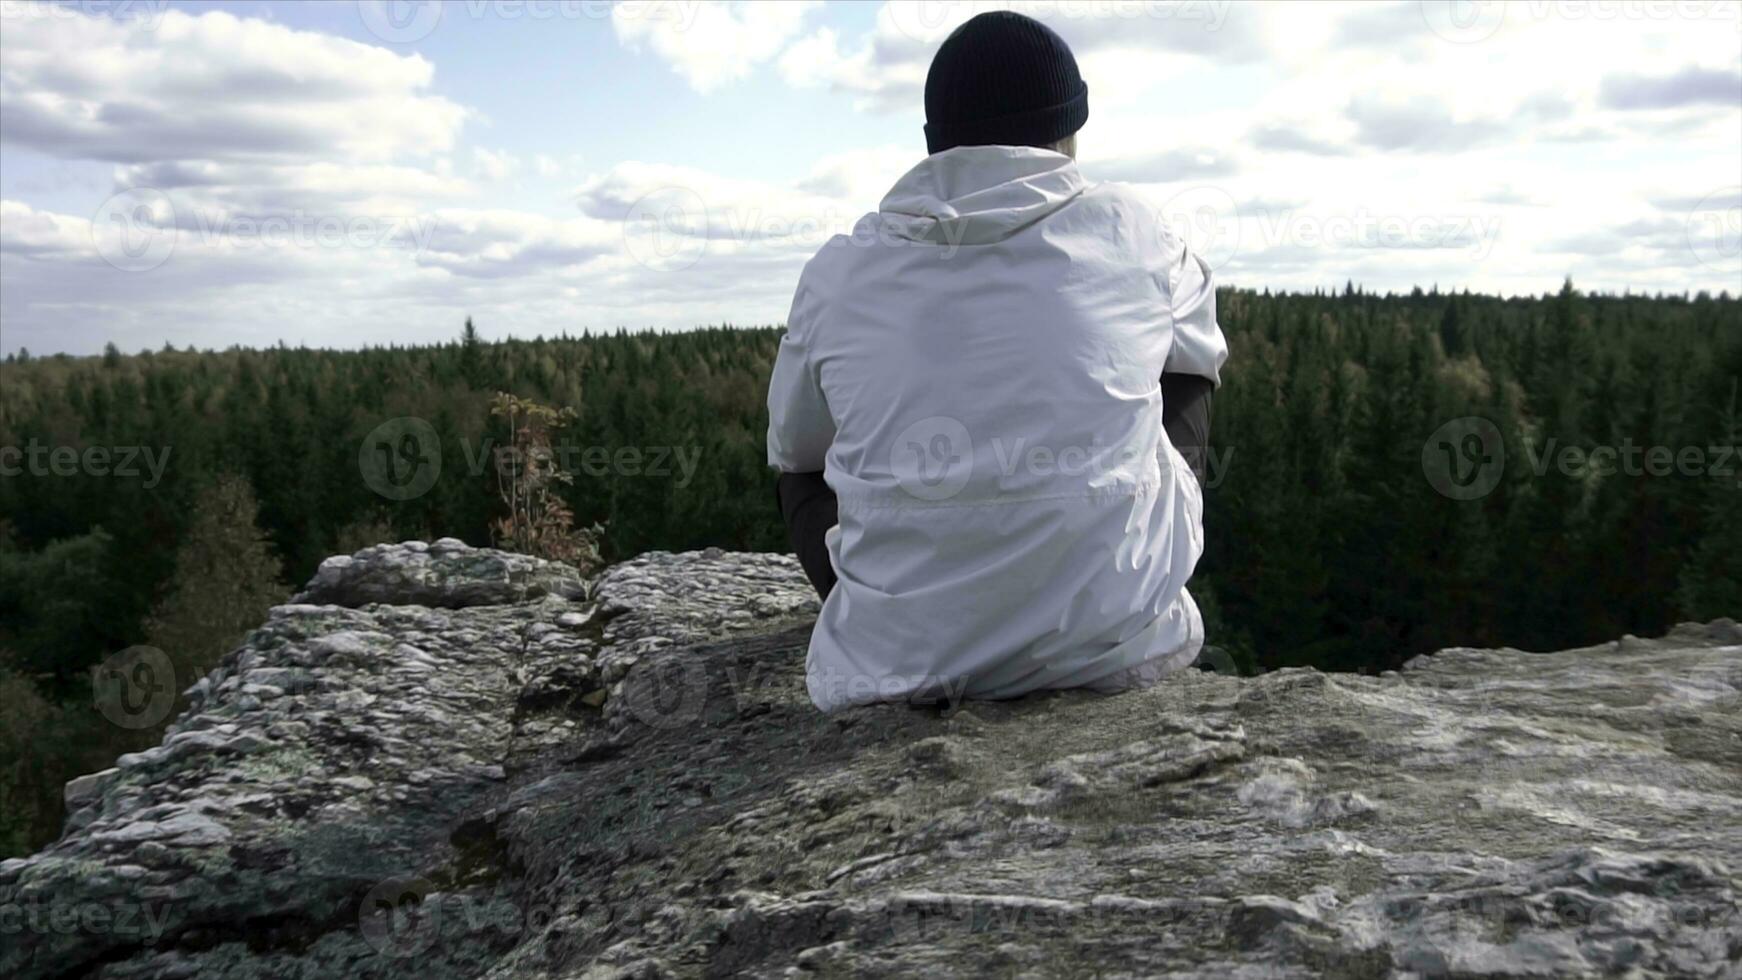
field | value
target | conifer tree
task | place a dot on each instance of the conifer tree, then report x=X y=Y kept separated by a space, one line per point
x=226 y=578
x=471 y=355
x=1711 y=582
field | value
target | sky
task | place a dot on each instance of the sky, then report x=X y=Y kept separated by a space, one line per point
x=350 y=174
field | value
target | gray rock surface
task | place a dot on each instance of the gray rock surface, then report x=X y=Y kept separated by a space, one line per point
x=448 y=574
x=515 y=777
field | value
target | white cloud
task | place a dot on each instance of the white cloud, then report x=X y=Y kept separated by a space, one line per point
x=406 y=274
x=814 y=60
x=1688 y=87
x=235 y=120
x=710 y=43
x=506 y=244
x=551 y=167
x=317 y=186
x=322 y=193
x=27 y=231
x=858 y=177
x=132 y=91
x=886 y=69
x=734 y=215
x=494 y=165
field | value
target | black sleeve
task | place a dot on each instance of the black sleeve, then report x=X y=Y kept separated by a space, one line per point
x=808 y=507
x=1185 y=414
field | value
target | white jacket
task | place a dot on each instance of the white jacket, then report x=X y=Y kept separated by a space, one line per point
x=976 y=369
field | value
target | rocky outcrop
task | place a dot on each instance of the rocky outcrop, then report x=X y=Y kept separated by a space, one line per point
x=449 y=762
x=447 y=574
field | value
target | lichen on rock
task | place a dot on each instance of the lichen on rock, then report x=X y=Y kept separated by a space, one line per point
x=441 y=761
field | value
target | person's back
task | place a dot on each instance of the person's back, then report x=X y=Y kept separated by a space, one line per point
x=977 y=372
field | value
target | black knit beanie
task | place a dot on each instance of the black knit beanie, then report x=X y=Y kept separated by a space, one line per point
x=1005 y=79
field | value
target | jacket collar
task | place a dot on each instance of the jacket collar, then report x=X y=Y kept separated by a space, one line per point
x=974 y=195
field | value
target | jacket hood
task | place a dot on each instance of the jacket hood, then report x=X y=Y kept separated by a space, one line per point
x=975 y=195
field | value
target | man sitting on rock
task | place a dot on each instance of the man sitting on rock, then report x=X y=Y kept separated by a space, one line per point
x=981 y=402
